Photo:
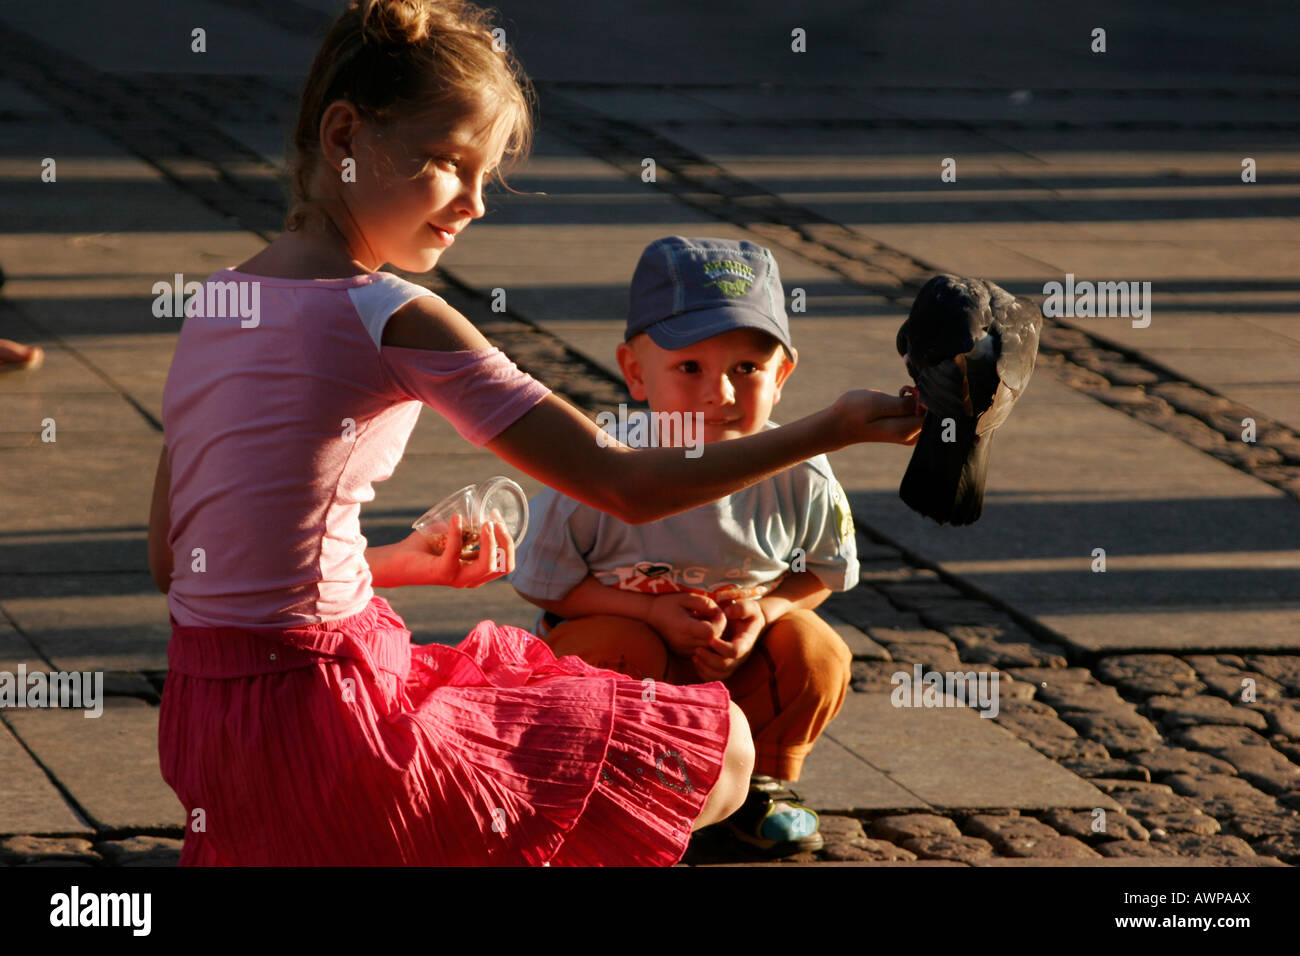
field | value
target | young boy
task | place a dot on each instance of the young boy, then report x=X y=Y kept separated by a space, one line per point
x=724 y=591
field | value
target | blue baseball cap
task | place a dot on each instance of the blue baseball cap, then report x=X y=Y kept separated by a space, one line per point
x=688 y=290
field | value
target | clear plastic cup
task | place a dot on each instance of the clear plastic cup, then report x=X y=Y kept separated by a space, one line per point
x=497 y=499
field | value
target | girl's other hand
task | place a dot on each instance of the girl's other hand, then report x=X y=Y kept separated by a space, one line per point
x=868 y=415
x=495 y=556
x=413 y=561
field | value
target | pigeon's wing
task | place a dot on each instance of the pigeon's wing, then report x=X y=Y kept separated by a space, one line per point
x=1016 y=326
x=944 y=388
x=1001 y=401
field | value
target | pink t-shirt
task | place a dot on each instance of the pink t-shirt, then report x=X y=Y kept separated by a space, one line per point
x=281 y=410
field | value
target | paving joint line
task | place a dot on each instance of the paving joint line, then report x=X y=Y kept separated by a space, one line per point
x=77 y=809
x=11 y=307
x=21 y=632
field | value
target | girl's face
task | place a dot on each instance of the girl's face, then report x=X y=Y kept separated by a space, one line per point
x=418 y=184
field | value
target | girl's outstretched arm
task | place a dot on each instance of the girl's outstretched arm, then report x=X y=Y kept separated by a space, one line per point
x=559 y=446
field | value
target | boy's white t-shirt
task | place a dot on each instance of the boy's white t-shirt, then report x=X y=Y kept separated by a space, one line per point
x=796 y=520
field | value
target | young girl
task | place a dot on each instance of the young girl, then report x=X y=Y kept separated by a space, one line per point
x=299 y=725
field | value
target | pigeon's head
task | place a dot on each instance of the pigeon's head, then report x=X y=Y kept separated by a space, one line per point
x=949 y=315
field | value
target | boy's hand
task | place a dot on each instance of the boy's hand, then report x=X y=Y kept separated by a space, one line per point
x=868 y=415
x=745 y=622
x=686 y=621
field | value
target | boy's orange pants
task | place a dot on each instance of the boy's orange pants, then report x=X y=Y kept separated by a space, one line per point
x=790 y=687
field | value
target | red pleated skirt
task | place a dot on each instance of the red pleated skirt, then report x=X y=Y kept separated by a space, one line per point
x=345 y=744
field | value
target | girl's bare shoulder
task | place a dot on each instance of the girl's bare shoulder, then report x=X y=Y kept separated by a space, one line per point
x=429 y=322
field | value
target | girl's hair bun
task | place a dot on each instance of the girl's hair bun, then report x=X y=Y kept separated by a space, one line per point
x=407 y=59
x=397 y=22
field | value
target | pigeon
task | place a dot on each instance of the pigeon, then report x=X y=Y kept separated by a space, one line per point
x=970 y=347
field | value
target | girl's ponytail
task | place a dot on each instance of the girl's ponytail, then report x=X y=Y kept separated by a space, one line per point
x=406 y=59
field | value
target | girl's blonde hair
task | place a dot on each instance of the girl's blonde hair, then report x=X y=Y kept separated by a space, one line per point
x=408 y=59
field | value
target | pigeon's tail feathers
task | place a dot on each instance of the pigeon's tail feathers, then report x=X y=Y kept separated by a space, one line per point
x=968 y=503
x=933 y=477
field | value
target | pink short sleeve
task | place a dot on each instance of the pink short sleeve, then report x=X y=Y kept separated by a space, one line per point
x=480 y=391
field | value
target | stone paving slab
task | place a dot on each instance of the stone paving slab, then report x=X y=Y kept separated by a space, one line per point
x=72 y=552
x=859 y=644
x=109 y=764
x=942 y=756
x=16 y=650
x=29 y=803
x=60 y=373
x=137 y=363
x=78 y=482
x=47 y=851
x=142 y=851
x=238 y=41
x=75 y=416
x=836 y=780
x=110 y=622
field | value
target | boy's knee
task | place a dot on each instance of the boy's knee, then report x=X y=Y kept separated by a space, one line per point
x=619 y=644
x=802 y=639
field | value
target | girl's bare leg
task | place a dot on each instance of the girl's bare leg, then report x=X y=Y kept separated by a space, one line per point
x=733 y=784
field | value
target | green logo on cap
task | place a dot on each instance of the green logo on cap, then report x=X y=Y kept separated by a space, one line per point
x=733 y=279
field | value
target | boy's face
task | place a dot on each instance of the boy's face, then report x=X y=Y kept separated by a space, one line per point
x=734 y=379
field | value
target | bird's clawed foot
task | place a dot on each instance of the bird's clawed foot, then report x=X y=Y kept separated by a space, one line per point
x=910 y=391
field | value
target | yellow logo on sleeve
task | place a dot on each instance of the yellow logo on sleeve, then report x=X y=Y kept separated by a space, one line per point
x=843 y=516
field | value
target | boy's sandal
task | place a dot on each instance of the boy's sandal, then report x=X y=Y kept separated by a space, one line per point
x=774 y=822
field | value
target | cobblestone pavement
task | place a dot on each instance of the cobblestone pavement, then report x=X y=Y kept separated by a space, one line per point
x=1202 y=751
